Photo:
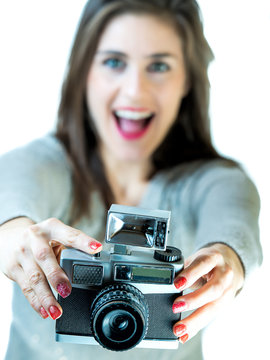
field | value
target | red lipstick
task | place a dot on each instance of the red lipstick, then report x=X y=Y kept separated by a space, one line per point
x=132 y=123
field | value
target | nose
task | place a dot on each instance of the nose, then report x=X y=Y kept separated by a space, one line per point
x=136 y=84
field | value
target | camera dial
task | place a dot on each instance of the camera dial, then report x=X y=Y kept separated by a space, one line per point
x=171 y=254
x=119 y=317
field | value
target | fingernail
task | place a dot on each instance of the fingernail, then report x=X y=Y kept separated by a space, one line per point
x=183 y=338
x=55 y=312
x=94 y=245
x=180 y=282
x=179 y=306
x=63 y=289
x=180 y=329
x=43 y=312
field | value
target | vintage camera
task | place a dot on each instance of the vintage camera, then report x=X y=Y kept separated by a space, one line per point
x=123 y=298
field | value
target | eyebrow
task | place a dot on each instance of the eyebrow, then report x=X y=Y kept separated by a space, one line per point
x=121 y=54
x=160 y=55
x=111 y=52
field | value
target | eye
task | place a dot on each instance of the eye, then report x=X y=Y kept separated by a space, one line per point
x=159 y=67
x=114 y=63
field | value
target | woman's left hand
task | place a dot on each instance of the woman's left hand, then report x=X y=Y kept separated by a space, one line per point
x=216 y=274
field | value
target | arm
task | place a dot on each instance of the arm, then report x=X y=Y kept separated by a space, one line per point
x=35 y=182
x=225 y=206
x=35 y=190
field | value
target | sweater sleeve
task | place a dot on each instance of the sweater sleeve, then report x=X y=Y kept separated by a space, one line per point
x=225 y=206
x=35 y=181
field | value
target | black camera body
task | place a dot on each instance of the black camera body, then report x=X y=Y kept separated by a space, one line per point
x=123 y=298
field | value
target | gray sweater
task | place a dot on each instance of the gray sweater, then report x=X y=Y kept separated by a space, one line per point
x=210 y=202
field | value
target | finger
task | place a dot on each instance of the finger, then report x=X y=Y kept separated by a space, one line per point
x=191 y=325
x=35 y=280
x=201 y=265
x=37 y=286
x=45 y=257
x=55 y=230
x=20 y=278
x=221 y=279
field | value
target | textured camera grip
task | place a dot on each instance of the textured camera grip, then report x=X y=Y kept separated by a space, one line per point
x=87 y=275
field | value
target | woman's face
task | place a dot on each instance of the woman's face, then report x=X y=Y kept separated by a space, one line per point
x=135 y=86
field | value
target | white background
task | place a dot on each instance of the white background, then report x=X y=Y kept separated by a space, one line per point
x=35 y=38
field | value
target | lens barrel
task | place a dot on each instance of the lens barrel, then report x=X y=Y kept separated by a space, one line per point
x=119 y=317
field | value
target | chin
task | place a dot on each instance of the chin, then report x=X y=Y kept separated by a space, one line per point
x=134 y=156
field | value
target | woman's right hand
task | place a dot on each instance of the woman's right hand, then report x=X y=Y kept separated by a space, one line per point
x=30 y=255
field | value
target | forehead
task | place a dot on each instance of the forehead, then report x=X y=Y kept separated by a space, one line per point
x=140 y=32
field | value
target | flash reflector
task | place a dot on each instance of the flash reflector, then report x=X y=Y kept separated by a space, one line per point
x=144 y=228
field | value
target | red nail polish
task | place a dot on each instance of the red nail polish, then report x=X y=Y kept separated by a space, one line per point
x=63 y=289
x=43 y=312
x=180 y=282
x=94 y=245
x=54 y=312
x=180 y=329
x=179 y=306
x=183 y=338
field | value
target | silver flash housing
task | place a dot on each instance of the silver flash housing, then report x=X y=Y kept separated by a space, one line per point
x=138 y=227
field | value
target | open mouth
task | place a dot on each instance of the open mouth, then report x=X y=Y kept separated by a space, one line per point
x=132 y=124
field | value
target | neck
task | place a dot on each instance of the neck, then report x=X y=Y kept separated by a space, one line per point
x=127 y=179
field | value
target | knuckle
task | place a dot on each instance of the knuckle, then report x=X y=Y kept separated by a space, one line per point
x=202 y=259
x=53 y=275
x=216 y=256
x=46 y=298
x=22 y=249
x=33 y=301
x=72 y=236
x=51 y=222
x=27 y=233
x=32 y=230
x=35 y=278
x=42 y=254
x=27 y=290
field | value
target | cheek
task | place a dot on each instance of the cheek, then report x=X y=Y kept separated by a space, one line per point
x=100 y=93
x=100 y=80
x=171 y=102
x=96 y=97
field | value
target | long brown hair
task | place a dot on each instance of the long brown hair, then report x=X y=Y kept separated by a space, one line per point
x=189 y=138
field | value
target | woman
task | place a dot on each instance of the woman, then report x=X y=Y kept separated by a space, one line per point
x=133 y=129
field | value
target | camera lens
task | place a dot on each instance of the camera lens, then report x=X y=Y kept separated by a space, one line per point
x=119 y=318
x=119 y=325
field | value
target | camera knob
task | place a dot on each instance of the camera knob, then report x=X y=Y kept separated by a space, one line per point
x=171 y=254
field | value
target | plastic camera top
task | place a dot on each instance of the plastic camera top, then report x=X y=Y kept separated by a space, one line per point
x=134 y=226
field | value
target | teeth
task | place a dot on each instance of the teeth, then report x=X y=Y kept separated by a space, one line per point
x=133 y=115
